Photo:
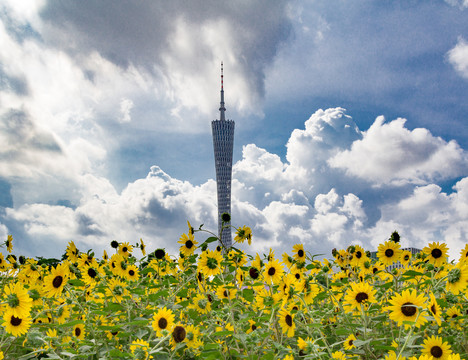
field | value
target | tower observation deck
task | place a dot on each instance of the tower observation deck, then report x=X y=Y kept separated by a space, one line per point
x=223 y=141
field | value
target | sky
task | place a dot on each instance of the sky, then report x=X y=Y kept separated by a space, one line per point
x=351 y=122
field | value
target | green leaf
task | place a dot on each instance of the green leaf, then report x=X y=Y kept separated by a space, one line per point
x=211 y=239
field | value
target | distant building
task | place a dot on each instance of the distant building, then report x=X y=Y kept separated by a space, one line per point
x=397 y=264
x=223 y=142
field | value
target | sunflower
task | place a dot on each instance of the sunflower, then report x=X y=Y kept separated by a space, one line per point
x=405 y=258
x=359 y=294
x=299 y=253
x=72 y=252
x=163 y=320
x=142 y=247
x=457 y=278
x=436 y=347
x=139 y=349
x=210 y=263
x=434 y=309
x=79 y=331
x=359 y=256
x=91 y=275
x=201 y=304
x=273 y=271
x=9 y=243
x=286 y=321
x=16 y=325
x=453 y=312
x=18 y=300
x=339 y=355
x=178 y=334
x=188 y=244
x=116 y=289
x=226 y=292
x=389 y=252
x=132 y=273
x=3 y=264
x=464 y=254
x=243 y=233
x=56 y=280
x=125 y=249
x=252 y=326
x=437 y=253
x=406 y=307
x=192 y=337
x=349 y=342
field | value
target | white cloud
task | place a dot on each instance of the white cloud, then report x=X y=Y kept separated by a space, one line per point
x=460 y=3
x=458 y=56
x=390 y=154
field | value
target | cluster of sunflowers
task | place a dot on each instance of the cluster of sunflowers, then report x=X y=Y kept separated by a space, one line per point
x=225 y=304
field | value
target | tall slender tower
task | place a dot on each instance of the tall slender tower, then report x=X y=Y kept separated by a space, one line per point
x=223 y=141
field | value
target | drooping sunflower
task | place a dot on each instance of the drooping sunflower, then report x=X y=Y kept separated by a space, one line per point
x=16 y=325
x=435 y=346
x=188 y=244
x=407 y=307
x=163 y=319
x=243 y=233
x=18 y=300
x=142 y=247
x=56 y=280
x=72 y=252
x=9 y=243
x=457 y=278
x=210 y=263
x=349 y=342
x=299 y=253
x=437 y=253
x=286 y=321
x=360 y=293
x=140 y=349
x=201 y=304
x=273 y=271
x=389 y=252
x=434 y=309
x=79 y=331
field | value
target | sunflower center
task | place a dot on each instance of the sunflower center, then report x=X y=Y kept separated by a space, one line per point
x=389 y=253
x=188 y=244
x=288 y=320
x=358 y=254
x=13 y=300
x=408 y=309
x=159 y=253
x=253 y=327
x=212 y=263
x=124 y=249
x=433 y=309
x=436 y=351
x=162 y=323
x=300 y=253
x=131 y=272
x=15 y=321
x=406 y=258
x=362 y=296
x=436 y=253
x=271 y=271
x=225 y=293
x=454 y=276
x=179 y=334
x=92 y=273
x=58 y=280
x=297 y=276
x=253 y=272
x=77 y=331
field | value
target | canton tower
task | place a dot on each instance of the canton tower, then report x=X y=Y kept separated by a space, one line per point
x=223 y=141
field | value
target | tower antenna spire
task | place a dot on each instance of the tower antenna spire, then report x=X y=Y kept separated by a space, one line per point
x=222 y=109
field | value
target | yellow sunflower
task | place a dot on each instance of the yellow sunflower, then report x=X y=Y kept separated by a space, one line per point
x=56 y=280
x=79 y=331
x=116 y=289
x=225 y=292
x=178 y=334
x=252 y=326
x=142 y=247
x=457 y=278
x=434 y=346
x=286 y=321
x=140 y=349
x=91 y=275
x=16 y=325
x=299 y=253
x=437 y=253
x=9 y=243
x=18 y=300
x=339 y=355
x=434 y=309
x=405 y=258
x=273 y=271
x=125 y=249
x=360 y=294
x=389 y=252
x=464 y=254
x=407 y=307
x=163 y=320
x=201 y=304
x=243 y=233
x=349 y=342
x=359 y=256
x=72 y=252
x=188 y=244
x=132 y=273
x=209 y=263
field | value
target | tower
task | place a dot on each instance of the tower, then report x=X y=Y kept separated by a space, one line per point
x=223 y=141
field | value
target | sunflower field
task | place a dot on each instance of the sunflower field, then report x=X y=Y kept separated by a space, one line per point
x=214 y=303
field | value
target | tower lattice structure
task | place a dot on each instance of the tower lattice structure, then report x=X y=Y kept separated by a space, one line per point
x=223 y=142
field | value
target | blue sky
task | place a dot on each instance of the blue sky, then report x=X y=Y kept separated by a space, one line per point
x=351 y=122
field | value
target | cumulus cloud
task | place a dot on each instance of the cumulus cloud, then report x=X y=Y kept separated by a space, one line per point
x=390 y=154
x=460 y=3
x=458 y=57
